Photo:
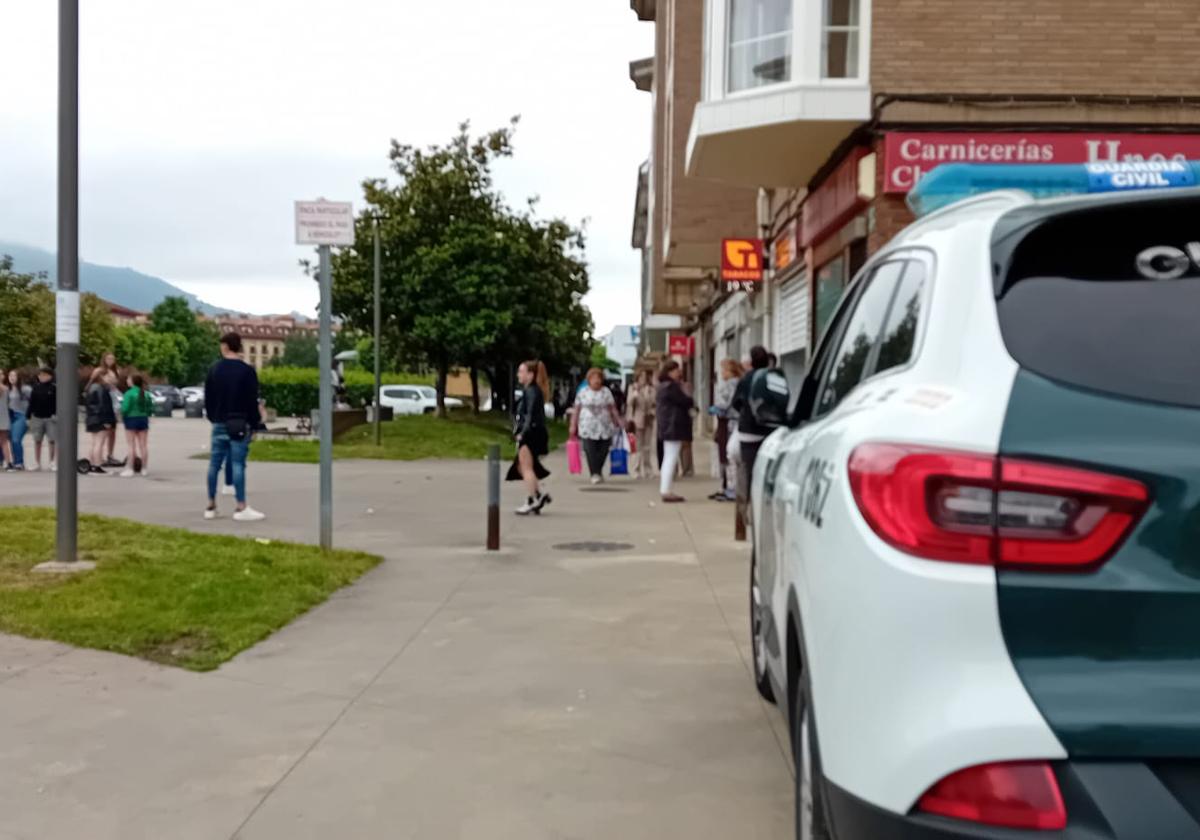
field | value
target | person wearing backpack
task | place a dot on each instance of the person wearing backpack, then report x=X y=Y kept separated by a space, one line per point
x=750 y=431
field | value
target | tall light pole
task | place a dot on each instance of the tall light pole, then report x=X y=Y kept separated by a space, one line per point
x=67 y=297
x=377 y=348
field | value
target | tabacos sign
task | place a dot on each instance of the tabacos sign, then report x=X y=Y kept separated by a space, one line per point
x=908 y=156
x=742 y=263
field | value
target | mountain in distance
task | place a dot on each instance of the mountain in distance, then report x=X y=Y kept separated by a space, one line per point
x=123 y=286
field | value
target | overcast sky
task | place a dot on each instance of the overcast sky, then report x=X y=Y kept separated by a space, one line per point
x=201 y=122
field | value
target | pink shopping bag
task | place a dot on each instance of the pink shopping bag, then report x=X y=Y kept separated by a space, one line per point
x=574 y=456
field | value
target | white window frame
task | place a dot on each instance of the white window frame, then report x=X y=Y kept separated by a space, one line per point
x=808 y=39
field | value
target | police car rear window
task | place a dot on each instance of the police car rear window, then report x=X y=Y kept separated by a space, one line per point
x=1107 y=298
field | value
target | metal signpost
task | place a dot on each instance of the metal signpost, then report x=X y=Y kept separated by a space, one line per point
x=325 y=223
x=378 y=348
x=67 y=298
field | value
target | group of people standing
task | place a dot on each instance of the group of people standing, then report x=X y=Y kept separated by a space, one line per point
x=27 y=406
x=113 y=397
x=658 y=413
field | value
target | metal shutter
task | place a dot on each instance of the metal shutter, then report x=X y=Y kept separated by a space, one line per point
x=791 y=316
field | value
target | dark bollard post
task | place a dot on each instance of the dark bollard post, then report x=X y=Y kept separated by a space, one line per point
x=739 y=522
x=493 y=482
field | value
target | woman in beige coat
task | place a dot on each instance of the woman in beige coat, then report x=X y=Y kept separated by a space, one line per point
x=639 y=411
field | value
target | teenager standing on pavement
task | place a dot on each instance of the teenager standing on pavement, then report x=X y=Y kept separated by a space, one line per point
x=533 y=440
x=99 y=416
x=731 y=372
x=135 y=413
x=43 y=404
x=596 y=422
x=750 y=433
x=18 y=412
x=6 y=455
x=231 y=403
x=674 y=425
x=109 y=363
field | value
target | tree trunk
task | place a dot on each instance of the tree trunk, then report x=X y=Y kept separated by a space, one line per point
x=475 y=388
x=443 y=373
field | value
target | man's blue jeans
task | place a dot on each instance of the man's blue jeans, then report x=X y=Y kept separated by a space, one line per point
x=233 y=451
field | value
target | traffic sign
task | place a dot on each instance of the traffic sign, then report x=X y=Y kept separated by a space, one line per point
x=324 y=222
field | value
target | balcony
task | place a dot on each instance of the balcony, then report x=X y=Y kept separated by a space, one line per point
x=785 y=81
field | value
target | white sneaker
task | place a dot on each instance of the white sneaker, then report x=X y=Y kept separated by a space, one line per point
x=145 y=472
x=249 y=514
x=529 y=507
x=210 y=513
x=596 y=479
x=127 y=473
x=228 y=490
x=54 y=466
x=35 y=468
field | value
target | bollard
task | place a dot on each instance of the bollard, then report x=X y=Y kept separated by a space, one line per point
x=493 y=487
x=739 y=517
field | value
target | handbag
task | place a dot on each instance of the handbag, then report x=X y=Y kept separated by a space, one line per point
x=619 y=457
x=574 y=456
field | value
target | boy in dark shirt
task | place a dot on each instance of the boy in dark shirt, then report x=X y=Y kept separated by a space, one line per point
x=231 y=403
x=43 y=405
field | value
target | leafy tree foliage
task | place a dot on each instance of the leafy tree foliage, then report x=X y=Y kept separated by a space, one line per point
x=202 y=337
x=600 y=359
x=299 y=350
x=466 y=281
x=159 y=354
x=27 y=309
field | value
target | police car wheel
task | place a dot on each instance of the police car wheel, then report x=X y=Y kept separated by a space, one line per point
x=758 y=643
x=810 y=809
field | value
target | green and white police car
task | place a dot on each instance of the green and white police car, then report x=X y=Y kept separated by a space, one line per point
x=975 y=591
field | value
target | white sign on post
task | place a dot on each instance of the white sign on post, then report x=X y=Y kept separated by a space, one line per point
x=324 y=222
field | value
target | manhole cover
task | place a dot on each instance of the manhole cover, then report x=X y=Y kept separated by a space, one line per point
x=594 y=546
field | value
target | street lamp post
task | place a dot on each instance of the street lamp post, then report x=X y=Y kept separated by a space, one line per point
x=377 y=348
x=67 y=297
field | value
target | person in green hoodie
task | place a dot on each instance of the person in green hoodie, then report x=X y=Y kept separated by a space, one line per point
x=136 y=406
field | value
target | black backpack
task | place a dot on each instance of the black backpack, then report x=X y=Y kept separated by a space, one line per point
x=769 y=397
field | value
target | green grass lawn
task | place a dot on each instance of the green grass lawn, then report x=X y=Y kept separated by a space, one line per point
x=163 y=594
x=462 y=435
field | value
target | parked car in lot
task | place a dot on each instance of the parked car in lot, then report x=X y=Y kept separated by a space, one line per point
x=414 y=399
x=169 y=392
x=976 y=568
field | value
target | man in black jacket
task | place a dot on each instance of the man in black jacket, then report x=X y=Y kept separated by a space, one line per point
x=231 y=403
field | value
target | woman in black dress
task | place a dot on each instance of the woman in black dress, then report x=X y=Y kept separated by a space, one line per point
x=533 y=440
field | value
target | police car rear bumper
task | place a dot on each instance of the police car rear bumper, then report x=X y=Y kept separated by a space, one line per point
x=1104 y=801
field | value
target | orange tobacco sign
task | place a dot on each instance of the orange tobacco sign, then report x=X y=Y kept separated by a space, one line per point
x=742 y=261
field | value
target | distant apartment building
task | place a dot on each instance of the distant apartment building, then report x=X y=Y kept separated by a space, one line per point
x=123 y=316
x=264 y=336
x=831 y=110
x=623 y=345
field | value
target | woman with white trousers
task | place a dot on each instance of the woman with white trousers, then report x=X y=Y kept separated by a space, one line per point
x=674 y=414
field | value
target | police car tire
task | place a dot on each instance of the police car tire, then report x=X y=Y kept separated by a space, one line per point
x=762 y=680
x=804 y=722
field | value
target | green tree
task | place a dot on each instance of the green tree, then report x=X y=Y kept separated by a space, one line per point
x=600 y=359
x=299 y=350
x=95 y=329
x=202 y=337
x=27 y=310
x=466 y=281
x=159 y=354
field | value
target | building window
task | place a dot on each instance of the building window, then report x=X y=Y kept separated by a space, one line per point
x=839 y=40
x=760 y=43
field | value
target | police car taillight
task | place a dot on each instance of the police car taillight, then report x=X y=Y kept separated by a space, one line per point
x=967 y=508
x=1012 y=795
x=953 y=182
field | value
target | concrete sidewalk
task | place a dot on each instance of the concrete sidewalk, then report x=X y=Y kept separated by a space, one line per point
x=541 y=692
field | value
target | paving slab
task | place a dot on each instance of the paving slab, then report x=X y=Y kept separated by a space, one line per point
x=539 y=692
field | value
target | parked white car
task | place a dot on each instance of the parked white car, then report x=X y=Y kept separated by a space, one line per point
x=414 y=399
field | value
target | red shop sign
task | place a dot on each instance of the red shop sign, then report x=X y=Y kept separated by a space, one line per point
x=910 y=155
x=834 y=203
x=681 y=345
